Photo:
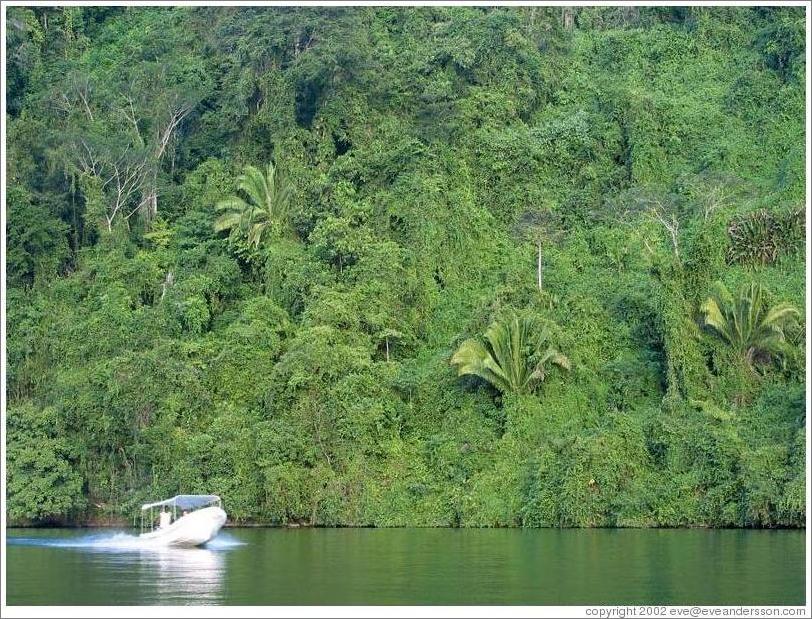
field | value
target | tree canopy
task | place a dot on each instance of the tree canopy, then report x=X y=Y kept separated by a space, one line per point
x=391 y=182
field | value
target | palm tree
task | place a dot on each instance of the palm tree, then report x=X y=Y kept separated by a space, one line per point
x=266 y=209
x=514 y=357
x=754 y=330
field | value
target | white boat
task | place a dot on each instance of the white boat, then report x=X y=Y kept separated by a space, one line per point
x=185 y=520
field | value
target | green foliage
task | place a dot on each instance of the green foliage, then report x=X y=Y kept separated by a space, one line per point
x=254 y=340
x=265 y=213
x=36 y=241
x=753 y=329
x=596 y=478
x=781 y=44
x=43 y=481
x=433 y=158
x=514 y=358
x=762 y=236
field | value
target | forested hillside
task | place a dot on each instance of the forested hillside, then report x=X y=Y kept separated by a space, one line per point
x=407 y=266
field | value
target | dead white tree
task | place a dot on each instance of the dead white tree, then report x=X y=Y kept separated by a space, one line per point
x=177 y=109
x=121 y=141
x=120 y=179
x=664 y=212
x=567 y=17
x=541 y=226
x=75 y=97
x=666 y=209
x=711 y=191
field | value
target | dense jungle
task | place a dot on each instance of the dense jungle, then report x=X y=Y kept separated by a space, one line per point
x=428 y=266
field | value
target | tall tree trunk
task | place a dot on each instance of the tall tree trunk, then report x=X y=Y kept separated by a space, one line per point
x=76 y=235
x=631 y=15
x=149 y=203
x=567 y=17
x=153 y=204
x=539 y=275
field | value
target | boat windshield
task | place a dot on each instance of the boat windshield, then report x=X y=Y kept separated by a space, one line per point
x=176 y=507
x=186 y=501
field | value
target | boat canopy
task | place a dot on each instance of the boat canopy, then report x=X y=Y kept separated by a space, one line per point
x=185 y=501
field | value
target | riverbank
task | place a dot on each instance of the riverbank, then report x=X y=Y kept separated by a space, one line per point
x=122 y=524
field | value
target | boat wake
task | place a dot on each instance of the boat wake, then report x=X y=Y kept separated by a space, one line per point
x=113 y=542
x=224 y=541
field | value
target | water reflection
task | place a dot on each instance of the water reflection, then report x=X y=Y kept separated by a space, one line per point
x=183 y=575
x=122 y=562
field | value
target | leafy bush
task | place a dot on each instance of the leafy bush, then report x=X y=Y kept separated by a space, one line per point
x=762 y=237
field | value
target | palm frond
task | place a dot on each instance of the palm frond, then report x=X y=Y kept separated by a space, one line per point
x=746 y=323
x=473 y=358
x=264 y=211
x=227 y=221
x=233 y=203
x=253 y=184
x=504 y=359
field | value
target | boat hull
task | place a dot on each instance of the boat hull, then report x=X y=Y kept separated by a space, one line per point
x=194 y=529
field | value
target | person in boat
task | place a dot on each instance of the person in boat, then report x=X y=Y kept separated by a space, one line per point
x=165 y=519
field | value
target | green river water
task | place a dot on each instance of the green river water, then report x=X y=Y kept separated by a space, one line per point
x=411 y=566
